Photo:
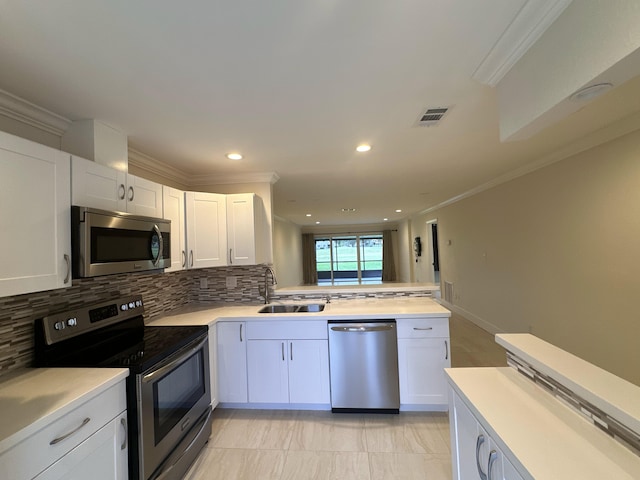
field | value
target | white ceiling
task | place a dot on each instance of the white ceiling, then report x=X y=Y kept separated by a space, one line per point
x=294 y=85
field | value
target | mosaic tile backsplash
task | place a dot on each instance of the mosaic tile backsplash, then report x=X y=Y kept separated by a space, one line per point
x=162 y=293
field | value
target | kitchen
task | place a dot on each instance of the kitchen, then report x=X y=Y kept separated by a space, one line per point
x=550 y=252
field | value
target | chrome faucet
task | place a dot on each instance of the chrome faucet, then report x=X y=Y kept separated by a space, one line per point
x=268 y=271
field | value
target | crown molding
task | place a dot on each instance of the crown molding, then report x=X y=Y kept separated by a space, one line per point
x=150 y=164
x=26 y=112
x=525 y=29
x=265 y=177
x=622 y=127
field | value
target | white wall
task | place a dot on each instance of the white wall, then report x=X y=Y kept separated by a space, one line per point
x=555 y=252
x=287 y=253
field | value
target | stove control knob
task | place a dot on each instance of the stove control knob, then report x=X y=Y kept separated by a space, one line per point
x=124 y=307
x=138 y=303
x=72 y=322
x=59 y=325
x=132 y=305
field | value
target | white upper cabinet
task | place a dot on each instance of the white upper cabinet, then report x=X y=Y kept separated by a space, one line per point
x=36 y=224
x=246 y=224
x=173 y=209
x=97 y=186
x=206 y=229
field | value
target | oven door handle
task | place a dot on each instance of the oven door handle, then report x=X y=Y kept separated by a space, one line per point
x=173 y=362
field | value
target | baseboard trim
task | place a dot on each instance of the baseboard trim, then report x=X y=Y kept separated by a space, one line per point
x=480 y=322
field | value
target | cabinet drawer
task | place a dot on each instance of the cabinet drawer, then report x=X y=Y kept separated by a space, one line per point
x=33 y=455
x=287 y=330
x=423 y=327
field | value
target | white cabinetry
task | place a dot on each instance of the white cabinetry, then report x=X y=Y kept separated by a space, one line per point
x=173 y=209
x=246 y=230
x=206 y=229
x=95 y=185
x=423 y=354
x=288 y=362
x=36 y=223
x=475 y=454
x=213 y=364
x=88 y=442
x=232 y=362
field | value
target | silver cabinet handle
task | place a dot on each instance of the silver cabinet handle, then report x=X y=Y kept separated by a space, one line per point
x=230 y=256
x=423 y=329
x=282 y=351
x=67 y=435
x=184 y=259
x=493 y=456
x=291 y=350
x=191 y=258
x=68 y=260
x=123 y=423
x=479 y=442
x=121 y=191
x=446 y=350
x=131 y=194
x=241 y=332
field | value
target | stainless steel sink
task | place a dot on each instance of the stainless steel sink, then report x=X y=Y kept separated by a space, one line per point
x=292 y=308
x=279 y=309
x=311 y=307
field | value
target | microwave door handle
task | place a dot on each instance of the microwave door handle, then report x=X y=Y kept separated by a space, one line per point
x=159 y=233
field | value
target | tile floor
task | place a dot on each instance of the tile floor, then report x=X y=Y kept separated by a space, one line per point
x=305 y=445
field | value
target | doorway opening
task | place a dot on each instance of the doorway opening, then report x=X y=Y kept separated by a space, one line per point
x=434 y=255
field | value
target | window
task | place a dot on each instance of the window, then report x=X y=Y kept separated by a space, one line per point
x=349 y=259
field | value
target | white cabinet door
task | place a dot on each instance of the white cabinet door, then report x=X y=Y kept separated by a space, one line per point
x=144 y=197
x=267 y=371
x=206 y=229
x=241 y=231
x=102 y=456
x=213 y=365
x=36 y=221
x=421 y=364
x=97 y=186
x=232 y=362
x=173 y=209
x=464 y=437
x=309 y=371
x=509 y=471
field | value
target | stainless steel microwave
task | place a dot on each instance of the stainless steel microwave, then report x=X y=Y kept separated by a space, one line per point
x=104 y=243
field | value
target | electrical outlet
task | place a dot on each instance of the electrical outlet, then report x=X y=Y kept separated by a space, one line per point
x=232 y=282
x=204 y=283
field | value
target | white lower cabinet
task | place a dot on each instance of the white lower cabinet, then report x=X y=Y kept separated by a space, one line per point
x=89 y=442
x=288 y=362
x=475 y=455
x=232 y=362
x=101 y=456
x=423 y=354
x=288 y=371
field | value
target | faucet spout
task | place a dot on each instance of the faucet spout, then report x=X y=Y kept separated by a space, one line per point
x=268 y=271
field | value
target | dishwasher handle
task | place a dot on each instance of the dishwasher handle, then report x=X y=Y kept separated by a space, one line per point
x=364 y=328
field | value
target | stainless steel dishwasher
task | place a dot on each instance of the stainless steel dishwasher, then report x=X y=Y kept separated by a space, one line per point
x=363 y=366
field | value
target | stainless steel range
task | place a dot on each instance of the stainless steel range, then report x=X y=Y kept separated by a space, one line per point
x=168 y=391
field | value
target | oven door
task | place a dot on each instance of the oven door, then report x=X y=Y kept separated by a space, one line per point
x=172 y=396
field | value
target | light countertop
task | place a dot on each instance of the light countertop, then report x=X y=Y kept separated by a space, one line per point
x=544 y=437
x=31 y=398
x=362 y=309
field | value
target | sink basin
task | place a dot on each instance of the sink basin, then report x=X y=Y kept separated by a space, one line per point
x=292 y=308
x=311 y=307
x=279 y=309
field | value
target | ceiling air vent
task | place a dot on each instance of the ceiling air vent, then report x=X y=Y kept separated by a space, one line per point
x=432 y=116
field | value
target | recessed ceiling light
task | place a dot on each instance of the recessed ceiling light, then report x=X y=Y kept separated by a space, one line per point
x=234 y=156
x=592 y=91
x=308 y=214
x=398 y=211
x=363 y=148
x=317 y=223
x=386 y=219
x=348 y=210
